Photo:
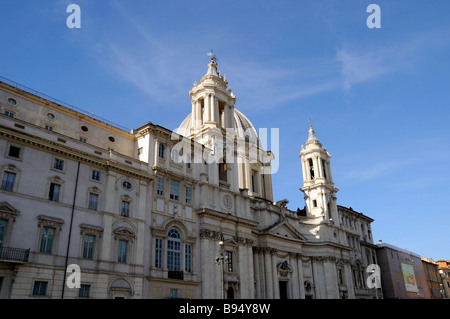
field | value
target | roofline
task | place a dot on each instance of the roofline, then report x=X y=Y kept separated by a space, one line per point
x=384 y=245
x=350 y=210
x=58 y=103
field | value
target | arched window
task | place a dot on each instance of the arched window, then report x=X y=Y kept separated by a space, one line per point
x=174 y=254
x=311 y=168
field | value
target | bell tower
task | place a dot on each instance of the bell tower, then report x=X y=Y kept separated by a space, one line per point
x=318 y=186
x=212 y=105
x=212 y=124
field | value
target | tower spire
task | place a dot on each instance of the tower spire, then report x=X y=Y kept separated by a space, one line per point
x=312 y=134
x=212 y=66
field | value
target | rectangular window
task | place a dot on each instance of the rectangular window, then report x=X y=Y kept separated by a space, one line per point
x=84 y=291
x=122 y=253
x=229 y=264
x=3 y=224
x=173 y=293
x=10 y=113
x=188 y=195
x=58 y=164
x=14 y=151
x=253 y=182
x=140 y=151
x=223 y=172
x=48 y=127
x=160 y=190
x=158 y=253
x=174 y=190
x=88 y=247
x=188 y=258
x=83 y=139
x=8 y=181
x=95 y=175
x=47 y=237
x=125 y=210
x=161 y=150
x=93 y=201
x=40 y=288
x=53 y=193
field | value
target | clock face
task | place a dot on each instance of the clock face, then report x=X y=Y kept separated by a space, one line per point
x=227 y=201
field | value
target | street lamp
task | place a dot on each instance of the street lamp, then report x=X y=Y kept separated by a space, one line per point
x=220 y=261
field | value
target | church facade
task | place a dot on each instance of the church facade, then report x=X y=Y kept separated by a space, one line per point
x=156 y=213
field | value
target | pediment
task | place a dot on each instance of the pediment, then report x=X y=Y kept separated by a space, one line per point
x=285 y=230
x=7 y=208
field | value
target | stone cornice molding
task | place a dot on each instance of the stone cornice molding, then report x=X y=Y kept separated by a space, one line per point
x=203 y=211
x=74 y=154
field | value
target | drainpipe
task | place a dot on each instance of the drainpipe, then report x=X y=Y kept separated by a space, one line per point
x=70 y=231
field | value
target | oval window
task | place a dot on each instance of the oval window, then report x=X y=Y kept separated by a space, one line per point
x=51 y=116
x=84 y=128
x=12 y=101
x=112 y=139
x=126 y=185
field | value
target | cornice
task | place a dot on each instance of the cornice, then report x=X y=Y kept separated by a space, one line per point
x=66 y=151
x=203 y=211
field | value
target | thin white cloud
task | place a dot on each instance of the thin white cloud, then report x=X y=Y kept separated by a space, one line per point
x=360 y=65
x=359 y=68
x=375 y=170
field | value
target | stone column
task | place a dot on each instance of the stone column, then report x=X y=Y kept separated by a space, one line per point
x=268 y=273
x=316 y=167
x=300 y=276
x=216 y=117
x=261 y=277
x=194 y=114
x=156 y=153
x=276 y=286
x=331 y=281
x=319 y=162
x=199 y=113
x=207 y=116
x=295 y=289
x=257 y=271
x=308 y=170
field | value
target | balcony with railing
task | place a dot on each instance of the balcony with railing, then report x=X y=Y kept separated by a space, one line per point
x=14 y=255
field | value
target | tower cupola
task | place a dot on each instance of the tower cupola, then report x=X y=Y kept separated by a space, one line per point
x=318 y=186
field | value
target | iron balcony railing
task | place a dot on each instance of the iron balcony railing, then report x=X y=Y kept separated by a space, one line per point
x=14 y=254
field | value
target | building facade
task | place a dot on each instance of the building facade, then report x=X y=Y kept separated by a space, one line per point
x=433 y=278
x=402 y=273
x=156 y=213
x=444 y=272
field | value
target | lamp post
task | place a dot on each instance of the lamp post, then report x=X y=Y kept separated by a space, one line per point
x=220 y=261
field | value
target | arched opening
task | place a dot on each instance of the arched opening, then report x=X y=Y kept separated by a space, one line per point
x=174 y=254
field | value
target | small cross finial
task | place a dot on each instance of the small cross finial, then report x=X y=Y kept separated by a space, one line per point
x=212 y=55
x=309 y=121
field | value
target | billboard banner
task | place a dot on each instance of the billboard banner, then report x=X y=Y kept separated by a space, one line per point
x=409 y=278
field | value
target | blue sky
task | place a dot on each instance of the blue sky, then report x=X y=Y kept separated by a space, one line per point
x=378 y=99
